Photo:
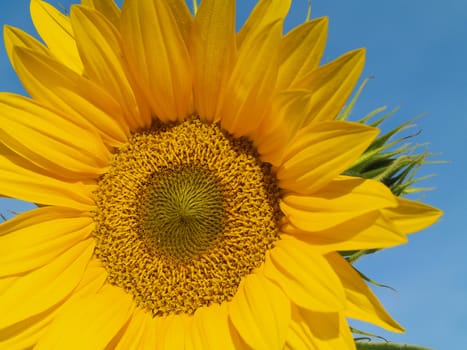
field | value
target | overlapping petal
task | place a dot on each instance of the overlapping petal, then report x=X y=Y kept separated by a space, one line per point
x=280 y=124
x=260 y=312
x=139 y=334
x=99 y=45
x=210 y=328
x=50 y=283
x=250 y=89
x=320 y=155
x=55 y=29
x=91 y=322
x=367 y=231
x=172 y=332
x=411 y=216
x=332 y=84
x=15 y=37
x=70 y=95
x=342 y=199
x=263 y=15
x=301 y=52
x=48 y=140
x=25 y=334
x=158 y=57
x=107 y=7
x=183 y=18
x=35 y=238
x=360 y=300
x=23 y=181
x=213 y=54
x=305 y=276
x=329 y=333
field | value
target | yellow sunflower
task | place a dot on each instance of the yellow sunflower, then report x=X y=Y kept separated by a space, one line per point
x=188 y=183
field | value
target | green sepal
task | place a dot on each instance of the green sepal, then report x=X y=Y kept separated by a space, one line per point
x=386 y=346
x=392 y=162
x=308 y=12
x=345 y=112
x=367 y=335
x=353 y=255
x=369 y=280
x=381 y=141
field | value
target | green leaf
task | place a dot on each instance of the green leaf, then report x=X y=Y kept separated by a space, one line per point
x=386 y=346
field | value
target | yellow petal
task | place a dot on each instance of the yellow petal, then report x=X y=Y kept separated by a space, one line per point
x=280 y=125
x=158 y=57
x=324 y=152
x=32 y=239
x=183 y=18
x=107 y=7
x=265 y=13
x=367 y=231
x=89 y=323
x=332 y=84
x=318 y=330
x=55 y=29
x=135 y=335
x=172 y=331
x=25 y=334
x=15 y=37
x=50 y=141
x=249 y=91
x=148 y=339
x=411 y=216
x=6 y=282
x=211 y=328
x=28 y=184
x=299 y=337
x=42 y=288
x=342 y=199
x=361 y=302
x=301 y=52
x=93 y=280
x=305 y=276
x=99 y=45
x=260 y=312
x=213 y=54
x=76 y=98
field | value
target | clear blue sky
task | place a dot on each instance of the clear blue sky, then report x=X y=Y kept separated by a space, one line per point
x=417 y=52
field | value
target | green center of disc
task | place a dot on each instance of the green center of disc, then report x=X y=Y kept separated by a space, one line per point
x=183 y=211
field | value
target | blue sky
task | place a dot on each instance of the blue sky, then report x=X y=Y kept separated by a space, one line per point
x=417 y=51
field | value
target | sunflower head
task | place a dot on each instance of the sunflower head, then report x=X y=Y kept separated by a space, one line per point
x=189 y=180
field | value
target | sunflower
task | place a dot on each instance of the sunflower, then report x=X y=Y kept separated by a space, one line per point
x=188 y=183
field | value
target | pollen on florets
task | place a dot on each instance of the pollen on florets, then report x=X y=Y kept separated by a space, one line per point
x=184 y=212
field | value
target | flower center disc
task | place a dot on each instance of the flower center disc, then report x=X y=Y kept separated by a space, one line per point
x=184 y=212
